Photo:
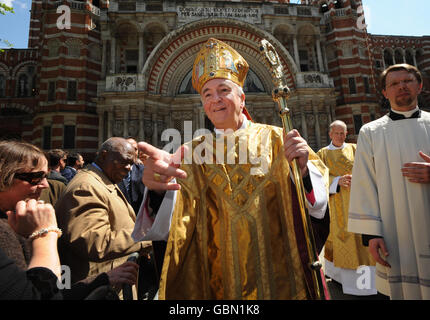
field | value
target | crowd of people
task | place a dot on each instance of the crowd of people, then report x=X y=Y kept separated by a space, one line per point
x=30 y=262
x=138 y=215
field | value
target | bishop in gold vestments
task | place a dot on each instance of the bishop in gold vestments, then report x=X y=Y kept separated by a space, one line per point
x=236 y=232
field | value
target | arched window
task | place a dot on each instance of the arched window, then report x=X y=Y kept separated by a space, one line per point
x=74 y=48
x=347 y=49
x=409 y=58
x=53 y=48
x=127 y=35
x=398 y=56
x=22 y=86
x=253 y=83
x=362 y=51
x=388 y=58
x=419 y=56
x=186 y=86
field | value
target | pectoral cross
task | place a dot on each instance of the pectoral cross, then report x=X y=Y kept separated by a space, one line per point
x=211 y=45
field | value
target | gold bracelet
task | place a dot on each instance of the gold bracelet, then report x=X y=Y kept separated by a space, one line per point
x=43 y=232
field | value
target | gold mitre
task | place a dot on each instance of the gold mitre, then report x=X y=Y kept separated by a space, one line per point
x=215 y=60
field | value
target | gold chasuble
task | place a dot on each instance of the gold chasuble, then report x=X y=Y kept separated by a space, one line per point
x=343 y=248
x=233 y=233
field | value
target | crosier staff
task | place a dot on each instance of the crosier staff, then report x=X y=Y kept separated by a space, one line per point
x=280 y=95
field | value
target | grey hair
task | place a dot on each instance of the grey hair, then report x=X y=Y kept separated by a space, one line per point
x=113 y=144
x=338 y=123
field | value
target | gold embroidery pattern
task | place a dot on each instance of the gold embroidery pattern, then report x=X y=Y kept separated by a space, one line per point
x=342 y=248
x=245 y=230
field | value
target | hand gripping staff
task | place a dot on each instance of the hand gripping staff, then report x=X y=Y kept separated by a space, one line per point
x=280 y=95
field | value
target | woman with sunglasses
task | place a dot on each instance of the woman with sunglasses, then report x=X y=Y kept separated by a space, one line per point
x=23 y=170
x=26 y=221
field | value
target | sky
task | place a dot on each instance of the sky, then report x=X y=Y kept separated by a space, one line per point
x=391 y=17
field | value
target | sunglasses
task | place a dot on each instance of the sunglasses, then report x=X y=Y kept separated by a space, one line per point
x=33 y=178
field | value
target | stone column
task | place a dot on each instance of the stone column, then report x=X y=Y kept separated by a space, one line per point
x=155 y=132
x=414 y=56
x=110 y=121
x=201 y=116
x=303 y=118
x=141 y=126
x=324 y=52
x=104 y=59
x=320 y=60
x=317 y=124
x=328 y=112
x=296 y=52
x=101 y=112
x=195 y=119
x=112 y=55
x=144 y=54
x=126 y=116
x=140 y=63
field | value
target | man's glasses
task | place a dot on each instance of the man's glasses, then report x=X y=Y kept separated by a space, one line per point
x=33 y=178
x=397 y=83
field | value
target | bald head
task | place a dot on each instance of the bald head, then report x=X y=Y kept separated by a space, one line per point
x=115 y=158
x=114 y=144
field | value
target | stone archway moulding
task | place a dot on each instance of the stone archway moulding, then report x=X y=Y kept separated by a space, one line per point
x=18 y=106
x=19 y=66
x=181 y=45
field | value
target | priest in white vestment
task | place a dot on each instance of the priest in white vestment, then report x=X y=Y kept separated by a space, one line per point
x=390 y=192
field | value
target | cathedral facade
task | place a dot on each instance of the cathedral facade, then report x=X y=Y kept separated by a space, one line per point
x=96 y=69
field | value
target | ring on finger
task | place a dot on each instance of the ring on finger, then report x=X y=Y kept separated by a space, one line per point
x=157 y=177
